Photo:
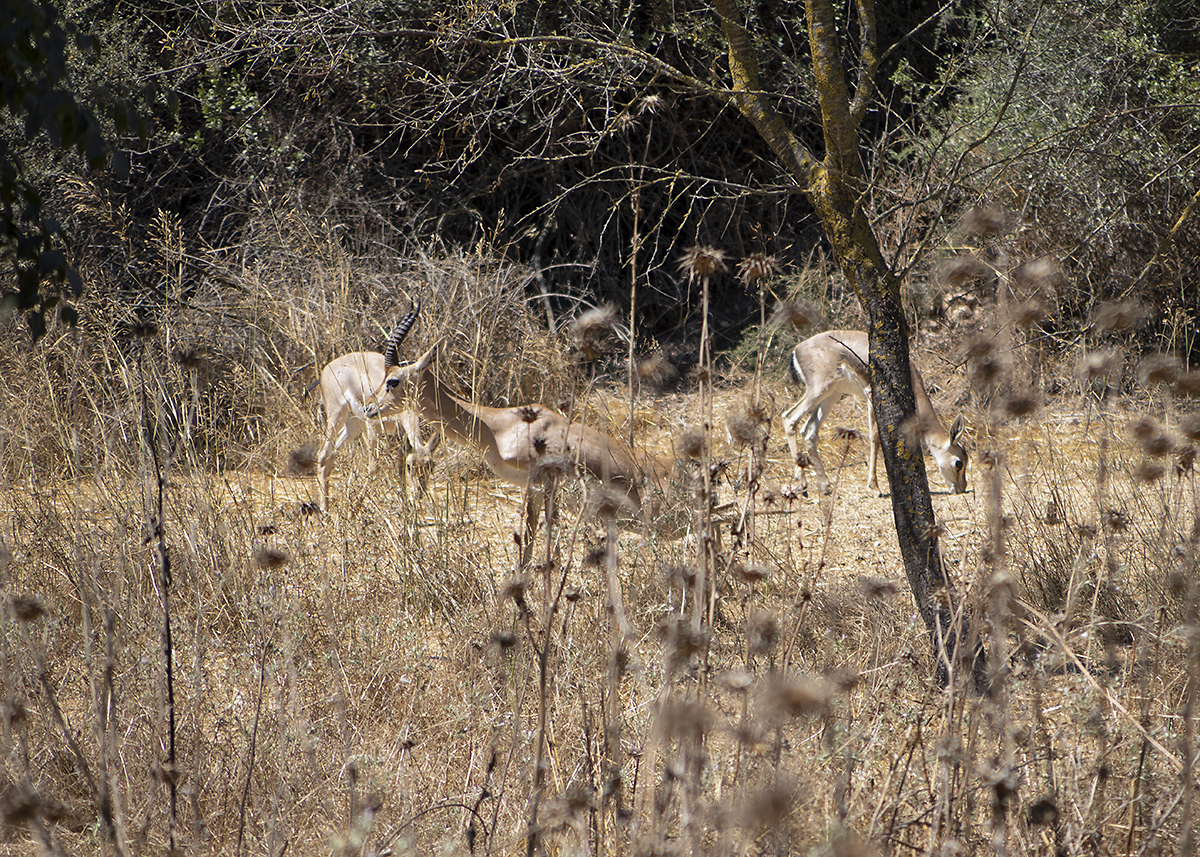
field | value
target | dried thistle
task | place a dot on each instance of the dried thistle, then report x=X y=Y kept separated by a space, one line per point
x=1030 y=312
x=1159 y=369
x=690 y=443
x=547 y=469
x=528 y=413
x=189 y=358
x=764 y=634
x=606 y=503
x=28 y=608
x=738 y=681
x=1153 y=440
x=758 y=266
x=270 y=557
x=686 y=720
x=748 y=423
x=1116 y=520
x=796 y=313
x=624 y=122
x=1186 y=461
x=1187 y=384
x=657 y=371
x=515 y=588
x=1043 y=811
x=1190 y=427
x=504 y=640
x=302 y=461
x=591 y=331
x=846 y=434
x=877 y=587
x=1096 y=364
x=752 y=572
x=1021 y=406
x=770 y=807
x=684 y=642
x=652 y=104
x=1148 y=471
x=1119 y=315
x=681 y=576
x=700 y=263
x=985 y=220
x=144 y=328
x=986 y=363
x=962 y=269
x=796 y=697
x=1037 y=272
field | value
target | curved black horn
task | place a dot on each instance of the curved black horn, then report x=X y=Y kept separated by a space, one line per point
x=397 y=337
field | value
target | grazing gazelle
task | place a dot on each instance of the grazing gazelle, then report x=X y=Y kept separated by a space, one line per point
x=515 y=441
x=834 y=364
x=347 y=384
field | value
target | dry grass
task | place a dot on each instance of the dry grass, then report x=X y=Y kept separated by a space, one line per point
x=384 y=679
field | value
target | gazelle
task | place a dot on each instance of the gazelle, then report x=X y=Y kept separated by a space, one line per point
x=516 y=441
x=834 y=364
x=347 y=384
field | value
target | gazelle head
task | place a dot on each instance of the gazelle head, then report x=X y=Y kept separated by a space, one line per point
x=951 y=457
x=399 y=378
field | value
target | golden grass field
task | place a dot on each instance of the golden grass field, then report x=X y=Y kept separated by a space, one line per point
x=382 y=679
x=747 y=676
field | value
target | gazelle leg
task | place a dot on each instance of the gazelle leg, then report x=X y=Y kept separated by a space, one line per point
x=811 y=430
x=418 y=463
x=340 y=431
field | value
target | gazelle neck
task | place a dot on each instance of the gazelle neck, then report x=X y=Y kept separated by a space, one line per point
x=459 y=419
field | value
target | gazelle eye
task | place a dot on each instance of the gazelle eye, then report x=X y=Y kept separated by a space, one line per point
x=392 y=382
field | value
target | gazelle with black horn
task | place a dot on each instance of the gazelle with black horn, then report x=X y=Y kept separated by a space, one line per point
x=834 y=364
x=347 y=384
x=516 y=442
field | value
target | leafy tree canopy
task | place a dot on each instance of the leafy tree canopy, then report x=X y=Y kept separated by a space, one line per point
x=36 y=48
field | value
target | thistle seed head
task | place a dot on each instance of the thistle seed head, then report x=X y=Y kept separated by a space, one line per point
x=796 y=697
x=270 y=558
x=1159 y=369
x=961 y=270
x=657 y=371
x=1119 y=315
x=700 y=263
x=690 y=443
x=757 y=266
x=591 y=331
x=985 y=220
x=796 y=313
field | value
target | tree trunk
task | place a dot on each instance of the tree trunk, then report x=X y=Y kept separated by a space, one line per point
x=835 y=187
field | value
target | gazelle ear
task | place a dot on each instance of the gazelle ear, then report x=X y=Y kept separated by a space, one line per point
x=425 y=359
x=957 y=428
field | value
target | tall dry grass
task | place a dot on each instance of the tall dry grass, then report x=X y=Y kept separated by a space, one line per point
x=387 y=679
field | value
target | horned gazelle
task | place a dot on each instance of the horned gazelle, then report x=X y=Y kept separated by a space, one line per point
x=347 y=384
x=515 y=441
x=834 y=364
